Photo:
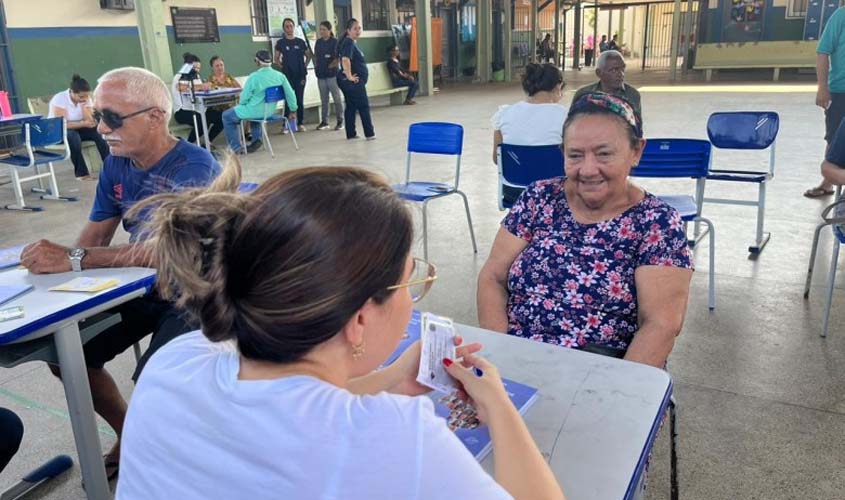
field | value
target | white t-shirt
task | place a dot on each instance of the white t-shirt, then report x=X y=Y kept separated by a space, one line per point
x=73 y=111
x=194 y=431
x=178 y=102
x=527 y=124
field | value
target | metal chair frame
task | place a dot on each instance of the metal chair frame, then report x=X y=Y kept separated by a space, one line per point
x=767 y=122
x=35 y=156
x=837 y=222
x=438 y=190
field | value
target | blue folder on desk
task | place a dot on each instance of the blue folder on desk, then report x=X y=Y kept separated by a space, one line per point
x=9 y=292
x=10 y=257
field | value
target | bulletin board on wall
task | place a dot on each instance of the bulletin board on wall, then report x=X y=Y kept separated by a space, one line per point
x=195 y=25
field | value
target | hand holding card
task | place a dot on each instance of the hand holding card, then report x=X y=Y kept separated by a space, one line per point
x=438 y=342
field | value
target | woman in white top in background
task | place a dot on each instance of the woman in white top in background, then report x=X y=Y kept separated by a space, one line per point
x=75 y=105
x=303 y=288
x=538 y=120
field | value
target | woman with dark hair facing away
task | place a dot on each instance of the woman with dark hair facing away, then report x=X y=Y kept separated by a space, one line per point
x=536 y=121
x=325 y=66
x=352 y=80
x=75 y=105
x=293 y=55
x=591 y=261
x=183 y=112
x=303 y=288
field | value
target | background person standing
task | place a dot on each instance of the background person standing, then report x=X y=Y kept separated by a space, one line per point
x=352 y=80
x=293 y=55
x=325 y=67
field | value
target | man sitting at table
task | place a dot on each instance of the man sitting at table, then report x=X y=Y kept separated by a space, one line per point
x=251 y=106
x=133 y=107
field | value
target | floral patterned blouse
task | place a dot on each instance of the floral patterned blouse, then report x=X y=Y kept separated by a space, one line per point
x=574 y=283
x=227 y=81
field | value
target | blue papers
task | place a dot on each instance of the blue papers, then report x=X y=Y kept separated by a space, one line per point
x=459 y=416
x=9 y=292
x=10 y=257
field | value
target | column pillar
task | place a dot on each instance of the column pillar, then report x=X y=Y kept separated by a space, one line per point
x=425 y=77
x=535 y=29
x=576 y=49
x=676 y=28
x=507 y=39
x=557 y=34
x=155 y=47
x=484 y=40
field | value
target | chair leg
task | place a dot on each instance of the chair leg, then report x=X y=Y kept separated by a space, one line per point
x=20 y=203
x=673 y=451
x=425 y=230
x=53 y=192
x=266 y=138
x=242 y=131
x=711 y=296
x=834 y=261
x=761 y=237
x=813 y=250
x=40 y=188
x=292 y=134
x=136 y=348
x=469 y=221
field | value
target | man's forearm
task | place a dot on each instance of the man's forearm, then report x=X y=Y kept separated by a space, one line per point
x=133 y=255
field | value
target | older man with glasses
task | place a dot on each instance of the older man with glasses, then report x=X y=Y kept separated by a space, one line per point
x=133 y=107
x=610 y=68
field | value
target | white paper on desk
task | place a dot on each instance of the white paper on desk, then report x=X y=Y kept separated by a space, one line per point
x=438 y=342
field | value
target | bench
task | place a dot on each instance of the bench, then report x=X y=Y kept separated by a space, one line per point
x=755 y=55
x=378 y=84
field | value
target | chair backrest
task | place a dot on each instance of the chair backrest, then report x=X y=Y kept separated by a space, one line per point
x=45 y=132
x=436 y=138
x=743 y=129
x=674 y=158
x=272 y=97
x=522 y=165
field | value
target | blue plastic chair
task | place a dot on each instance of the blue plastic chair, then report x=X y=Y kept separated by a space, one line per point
x=434 y=138
x=274 y=98
x=519 y=166
x=682 y=158
x=35 y=137
x=745 y=130
x=247 y=187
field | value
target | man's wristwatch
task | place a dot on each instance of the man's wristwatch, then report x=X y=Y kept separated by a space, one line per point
x=76 y=255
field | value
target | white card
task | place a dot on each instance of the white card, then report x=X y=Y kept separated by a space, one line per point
x=438 y=342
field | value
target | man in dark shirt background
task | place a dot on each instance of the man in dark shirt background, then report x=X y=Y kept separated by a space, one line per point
x=401 y=78
x=293 y=55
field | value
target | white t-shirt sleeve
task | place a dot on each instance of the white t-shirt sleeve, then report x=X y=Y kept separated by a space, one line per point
x=497 y=118
x=446 y=464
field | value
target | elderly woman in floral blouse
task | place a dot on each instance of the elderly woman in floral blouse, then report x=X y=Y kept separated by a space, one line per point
x=591 y=261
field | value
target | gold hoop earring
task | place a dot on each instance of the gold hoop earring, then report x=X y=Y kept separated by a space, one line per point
x=358 y=350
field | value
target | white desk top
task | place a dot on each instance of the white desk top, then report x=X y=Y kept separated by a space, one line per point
x=595 y=418
x=44 y=309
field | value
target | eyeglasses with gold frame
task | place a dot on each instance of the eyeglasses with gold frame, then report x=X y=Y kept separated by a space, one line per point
x=423 y=275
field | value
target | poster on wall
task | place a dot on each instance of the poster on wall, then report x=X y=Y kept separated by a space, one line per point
x=744 y=21
x=277 y=12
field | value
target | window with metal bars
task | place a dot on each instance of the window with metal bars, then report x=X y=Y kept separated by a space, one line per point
x=258 y=14
x=376 y=14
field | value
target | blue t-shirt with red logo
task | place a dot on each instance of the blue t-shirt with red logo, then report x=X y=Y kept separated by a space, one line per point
x=122 y=184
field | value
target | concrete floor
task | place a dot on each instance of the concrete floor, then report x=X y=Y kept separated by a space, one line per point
x=761 y=396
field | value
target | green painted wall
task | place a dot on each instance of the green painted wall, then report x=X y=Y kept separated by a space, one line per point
x=776 y=26
x=375 y=49
x=44 y=66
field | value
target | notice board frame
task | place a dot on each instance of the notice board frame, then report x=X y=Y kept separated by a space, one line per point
x=212 y=34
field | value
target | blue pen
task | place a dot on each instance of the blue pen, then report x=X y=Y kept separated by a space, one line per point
x=478 y=371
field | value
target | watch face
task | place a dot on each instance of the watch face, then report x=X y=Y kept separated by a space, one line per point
x=77 y=252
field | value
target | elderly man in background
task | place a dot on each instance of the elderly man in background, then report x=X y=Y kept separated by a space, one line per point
x=610 y=68
x=133 y=107
x=251 y=105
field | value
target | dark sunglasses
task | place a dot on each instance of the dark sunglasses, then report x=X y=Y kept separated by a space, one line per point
x=113 y=120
